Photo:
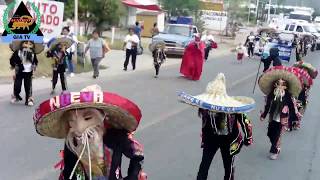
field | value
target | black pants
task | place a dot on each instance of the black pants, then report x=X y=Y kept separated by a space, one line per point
x=209 y=150
x=63 y=80
x=266 y=64
x=250 y=49
x=27 y=79
x=274 y=134
x=206 y=52
x=133 y=54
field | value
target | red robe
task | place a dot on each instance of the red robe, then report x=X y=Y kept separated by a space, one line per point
x=192 y=61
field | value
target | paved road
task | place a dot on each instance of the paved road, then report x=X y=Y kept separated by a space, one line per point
x=170 y=131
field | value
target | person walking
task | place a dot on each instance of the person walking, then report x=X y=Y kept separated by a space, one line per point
x=70 y=51
x=250 y=44
x=222 y=118
x=57 y=52
x=130 y=44
x=280 y=85
x=98 y=48
x=155 y=30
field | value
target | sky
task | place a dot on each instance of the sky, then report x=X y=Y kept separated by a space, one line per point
x=308 y=3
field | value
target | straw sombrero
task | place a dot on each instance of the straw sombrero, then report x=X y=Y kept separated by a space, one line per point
x=15 y=45
x=292 y=77
x=60 y=40
x=216 y=98
x=313 y=72
x=153 y=45
x=122 y=113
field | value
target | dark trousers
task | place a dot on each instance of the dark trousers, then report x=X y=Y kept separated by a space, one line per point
x=266 y=64
x=157 y=68
x=133 y=54
x=250 y=49
x=274 y=134
x=27 y=80
x=206 y=53
x=95 y=65
x=208 y=153
x=63 y=80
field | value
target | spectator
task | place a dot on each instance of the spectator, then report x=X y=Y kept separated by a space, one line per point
x=154 y=30
x=130 y=46
x=98 y=48
x=70 y=51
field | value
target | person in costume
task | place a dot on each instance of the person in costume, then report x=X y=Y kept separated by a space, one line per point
x=281 y=85
x=98 y=130
x=309 y=73
x=159 y=56
x=222 y=116
x=57 y=52
x=240 y=50
x=208 y=39
x=24 y=62
x=192 y=61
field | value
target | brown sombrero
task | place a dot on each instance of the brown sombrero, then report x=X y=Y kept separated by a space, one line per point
x=122 y=113
x=154 y=45
x=15 y=45
x=60 y=40
x=292 y=77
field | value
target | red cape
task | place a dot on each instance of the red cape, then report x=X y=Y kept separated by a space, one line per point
x=192 y=61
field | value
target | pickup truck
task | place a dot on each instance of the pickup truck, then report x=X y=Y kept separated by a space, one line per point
x=176 y=37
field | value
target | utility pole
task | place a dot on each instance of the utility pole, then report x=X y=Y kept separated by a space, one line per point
x=269 y=9
x=249 y=7
x=76 y=26
x=257 y=7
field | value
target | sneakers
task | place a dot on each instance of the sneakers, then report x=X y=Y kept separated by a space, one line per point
x=71 y=74
x=156 y=76
x=15 y=99
x=29 y=102
x=273 y=156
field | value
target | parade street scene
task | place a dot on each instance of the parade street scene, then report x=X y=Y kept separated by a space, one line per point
x=159 y=90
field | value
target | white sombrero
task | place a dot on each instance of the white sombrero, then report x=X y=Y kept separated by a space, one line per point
x=15 y=45
x=216 y=98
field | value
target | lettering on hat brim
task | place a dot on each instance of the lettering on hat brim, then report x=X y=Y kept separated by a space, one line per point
x=67 y=99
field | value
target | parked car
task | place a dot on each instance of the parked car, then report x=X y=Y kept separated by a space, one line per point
x=176 y=37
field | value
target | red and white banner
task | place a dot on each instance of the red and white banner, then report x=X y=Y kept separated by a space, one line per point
x=51 y=17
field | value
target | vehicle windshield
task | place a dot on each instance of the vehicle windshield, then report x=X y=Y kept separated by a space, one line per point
x=300 y=17
x=180 y=30
x=310 y=29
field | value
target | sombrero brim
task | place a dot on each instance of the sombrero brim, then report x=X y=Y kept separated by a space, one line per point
x=244 y=104
x=122 y=113
x=55 y=41
x=267 y=80
x=15 y=45
x=153 y=46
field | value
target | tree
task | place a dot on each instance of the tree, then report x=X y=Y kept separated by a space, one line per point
x=180 y=7
x=102 y=13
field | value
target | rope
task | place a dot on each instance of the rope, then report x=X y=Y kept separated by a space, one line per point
x=85 y=142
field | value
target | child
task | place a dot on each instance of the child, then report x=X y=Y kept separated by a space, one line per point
x=158 y=54
x=240 y=49
x=57 y=52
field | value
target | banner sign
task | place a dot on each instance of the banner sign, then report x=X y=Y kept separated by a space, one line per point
x=51 y=17
x=214 y=20
x=285 y=50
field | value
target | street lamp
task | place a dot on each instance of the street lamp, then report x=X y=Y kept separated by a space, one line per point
x=269 y=9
